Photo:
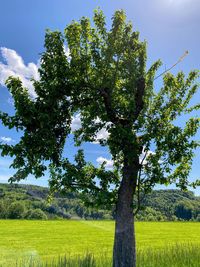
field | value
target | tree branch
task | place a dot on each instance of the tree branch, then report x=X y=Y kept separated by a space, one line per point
x=180 y=59
x=139 y=102
x=139 y=181
x=105 y=93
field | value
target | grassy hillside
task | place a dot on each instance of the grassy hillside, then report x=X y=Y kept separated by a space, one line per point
x=48 y=239
x=30 y=202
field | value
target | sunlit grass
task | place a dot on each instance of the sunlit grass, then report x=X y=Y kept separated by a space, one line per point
x=185 y=255
x=46 y=240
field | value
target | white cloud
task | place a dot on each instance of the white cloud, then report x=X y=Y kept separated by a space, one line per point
x=67 y=53
x=144 y=156
x=109 y=162
x=76 y=123
x=142 y=159
x=6 y=139
x=101 y=135
x=15 y=66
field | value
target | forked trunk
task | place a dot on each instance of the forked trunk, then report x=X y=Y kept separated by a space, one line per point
x=124 y=252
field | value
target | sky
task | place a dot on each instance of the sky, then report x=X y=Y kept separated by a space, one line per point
x=170 y=27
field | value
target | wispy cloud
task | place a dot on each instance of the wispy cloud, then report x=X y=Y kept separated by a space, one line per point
x=15 y=66
x=6 y=139
x=109 y=162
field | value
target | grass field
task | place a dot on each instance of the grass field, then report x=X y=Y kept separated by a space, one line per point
x=48 y=239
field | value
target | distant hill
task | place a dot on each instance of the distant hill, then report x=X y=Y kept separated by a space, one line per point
x=30 y=202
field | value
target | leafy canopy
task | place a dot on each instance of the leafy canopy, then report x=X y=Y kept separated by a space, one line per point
x=105 y=80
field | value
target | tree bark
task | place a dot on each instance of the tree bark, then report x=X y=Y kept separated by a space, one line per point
x=124 y=251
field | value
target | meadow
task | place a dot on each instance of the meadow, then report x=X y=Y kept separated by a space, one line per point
x=47 y=240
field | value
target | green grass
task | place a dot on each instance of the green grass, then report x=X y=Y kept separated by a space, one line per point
x=45 y=240
x=185 y=255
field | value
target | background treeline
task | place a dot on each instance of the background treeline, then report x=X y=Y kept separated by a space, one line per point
x=30 y=202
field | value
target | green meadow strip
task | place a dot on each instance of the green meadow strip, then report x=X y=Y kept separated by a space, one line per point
x=180 y=255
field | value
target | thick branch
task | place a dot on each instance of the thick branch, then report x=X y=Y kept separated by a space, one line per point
x=105 y=93
x=139 y=102
x=139 y=183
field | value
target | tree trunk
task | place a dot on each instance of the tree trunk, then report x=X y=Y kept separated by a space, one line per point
x=124 y=252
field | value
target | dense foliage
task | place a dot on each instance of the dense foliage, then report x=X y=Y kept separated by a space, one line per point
x=30 y=202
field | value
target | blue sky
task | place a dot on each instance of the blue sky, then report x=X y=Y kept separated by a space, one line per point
x=170 y=27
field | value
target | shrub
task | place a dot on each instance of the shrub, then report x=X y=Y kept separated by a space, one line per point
x=150 y=218
x=2 y=194
x=16 y=210
x=183 y=210
x=174 y=218
x=3 y=211
x=36 y=214
x=198 y=218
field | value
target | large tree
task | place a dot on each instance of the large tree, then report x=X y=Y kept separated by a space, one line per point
x=105 y=81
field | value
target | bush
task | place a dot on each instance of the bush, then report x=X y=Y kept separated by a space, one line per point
x=198 y=218
x=107 y=216
x=183 y=210
x=160 y=218
x=36 y=214
x=2 y=194
x=16 y=210
x=52 y=209
x=3 y=211
x=150 y=218
x=174 y=218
